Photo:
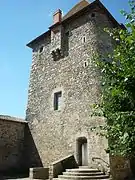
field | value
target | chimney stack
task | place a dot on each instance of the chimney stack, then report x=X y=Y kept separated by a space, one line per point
x=57 y=16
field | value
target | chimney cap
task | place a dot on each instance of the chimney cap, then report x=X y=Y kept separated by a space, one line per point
x=57 y=11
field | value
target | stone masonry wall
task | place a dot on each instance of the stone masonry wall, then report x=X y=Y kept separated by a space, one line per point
x=55 y=133
x=11 y=143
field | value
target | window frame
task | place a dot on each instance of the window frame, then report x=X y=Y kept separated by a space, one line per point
x=56 y=103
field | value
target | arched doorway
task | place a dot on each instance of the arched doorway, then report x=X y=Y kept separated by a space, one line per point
x=82 y=151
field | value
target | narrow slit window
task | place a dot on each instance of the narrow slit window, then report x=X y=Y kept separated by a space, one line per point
x=66 y=42
x=41 y=49
x=93 y=15
x=57 y=100
x=83 y=39
x=67 y=33
x=85 y=64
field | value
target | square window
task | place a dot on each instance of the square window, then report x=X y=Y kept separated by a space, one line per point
x=57 y=100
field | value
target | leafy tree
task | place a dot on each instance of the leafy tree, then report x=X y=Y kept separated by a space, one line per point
x=118 y=88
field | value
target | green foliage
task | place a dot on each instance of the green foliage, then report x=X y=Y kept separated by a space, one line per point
x=118 y=88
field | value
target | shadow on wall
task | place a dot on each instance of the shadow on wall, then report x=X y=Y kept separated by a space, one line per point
x=29 y=158
x=32 y=157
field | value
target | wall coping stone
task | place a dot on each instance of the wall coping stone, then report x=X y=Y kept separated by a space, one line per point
x=62 y=159
x=12 y=119
x=38 y=168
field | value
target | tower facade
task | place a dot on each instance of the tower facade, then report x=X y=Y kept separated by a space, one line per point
x=64 y=84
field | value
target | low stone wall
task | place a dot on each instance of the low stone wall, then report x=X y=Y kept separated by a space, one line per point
x=39 y=173
x=61 y=165
x=120 y=168
x=11 y=143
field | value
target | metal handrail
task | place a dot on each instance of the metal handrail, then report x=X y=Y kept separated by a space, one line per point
x=102 y=164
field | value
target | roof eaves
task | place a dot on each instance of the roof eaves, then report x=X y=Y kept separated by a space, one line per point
x=37 y=38
x=108 y=13
x=54 y=25
x=91 y=5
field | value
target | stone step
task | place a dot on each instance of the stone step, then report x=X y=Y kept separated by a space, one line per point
x=83 y=177
x=86 y=179
x=83 y=174
x=83 y=167
x=82 y=170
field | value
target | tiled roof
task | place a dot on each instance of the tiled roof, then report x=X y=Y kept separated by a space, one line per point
x=78 y=7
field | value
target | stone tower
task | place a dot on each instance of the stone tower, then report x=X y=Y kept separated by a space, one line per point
x=64 y=84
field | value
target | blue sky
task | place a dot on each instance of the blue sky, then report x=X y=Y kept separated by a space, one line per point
x=21 y=21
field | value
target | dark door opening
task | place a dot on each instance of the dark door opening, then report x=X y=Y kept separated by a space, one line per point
x=82 y=151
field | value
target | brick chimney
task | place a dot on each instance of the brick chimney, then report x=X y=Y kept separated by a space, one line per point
x=57 y=16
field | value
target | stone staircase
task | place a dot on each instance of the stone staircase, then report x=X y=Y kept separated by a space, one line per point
x=83 y=173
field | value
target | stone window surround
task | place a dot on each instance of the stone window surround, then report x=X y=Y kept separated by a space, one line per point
x=56 y=90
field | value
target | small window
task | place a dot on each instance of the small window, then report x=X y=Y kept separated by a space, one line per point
x=93 y=15
x=67 y=33
x=84 y=39
x=57 y=100
x=66 y=42
x=41 y=49
x=85 y=64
